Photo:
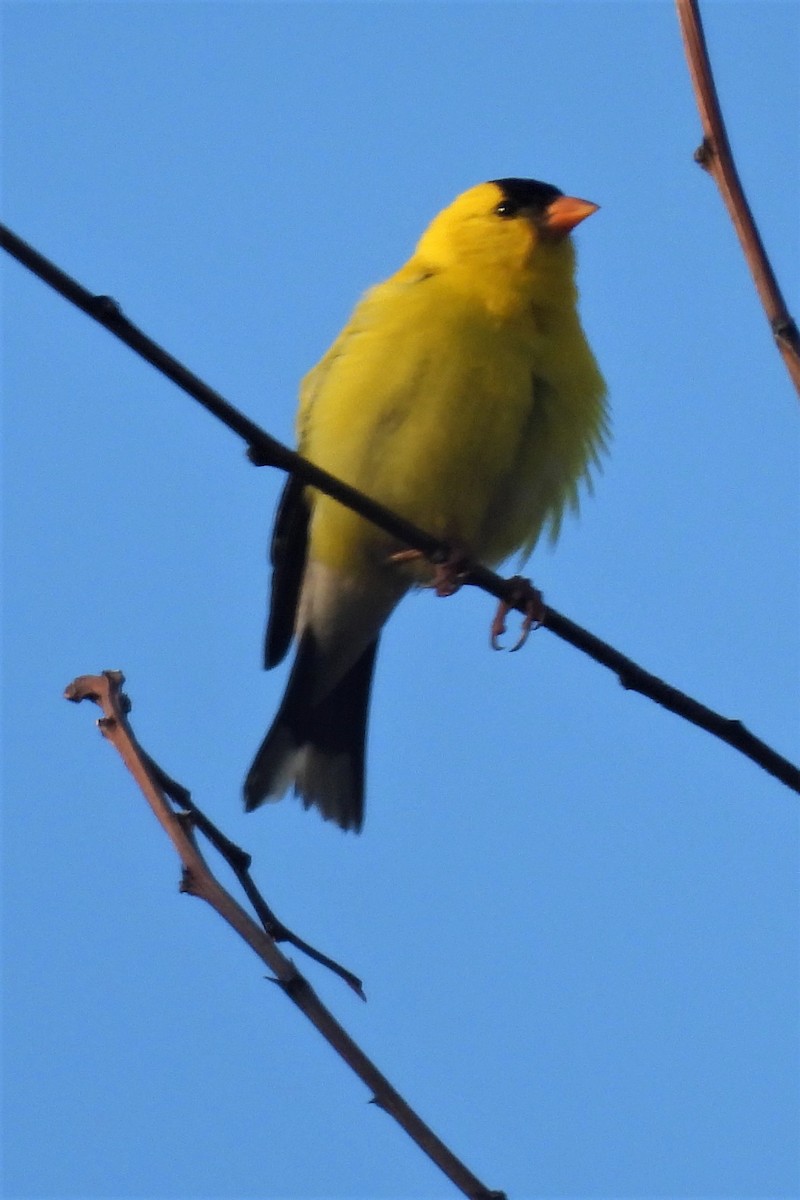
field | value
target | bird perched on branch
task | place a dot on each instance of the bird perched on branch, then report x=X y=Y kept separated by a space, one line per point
x=462 y=394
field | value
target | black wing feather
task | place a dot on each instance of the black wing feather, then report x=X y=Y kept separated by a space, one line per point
x=288 y=558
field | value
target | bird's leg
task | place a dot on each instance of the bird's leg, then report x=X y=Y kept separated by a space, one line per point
x=525 y=595
x=404 y=556
x=449 y=573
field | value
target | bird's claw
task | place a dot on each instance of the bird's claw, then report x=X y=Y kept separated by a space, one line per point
x=524 y=595
x=448 y=575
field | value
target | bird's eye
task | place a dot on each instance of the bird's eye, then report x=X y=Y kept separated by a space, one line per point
x=506 y=208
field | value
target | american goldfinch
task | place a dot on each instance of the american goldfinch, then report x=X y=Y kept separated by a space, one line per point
x=462 y=393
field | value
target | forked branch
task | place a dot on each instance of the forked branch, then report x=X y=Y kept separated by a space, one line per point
x=106 y=691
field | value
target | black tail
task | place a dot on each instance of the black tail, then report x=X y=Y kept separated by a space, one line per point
x=318 y=750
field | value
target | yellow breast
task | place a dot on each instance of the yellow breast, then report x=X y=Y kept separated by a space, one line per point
x=473 y=425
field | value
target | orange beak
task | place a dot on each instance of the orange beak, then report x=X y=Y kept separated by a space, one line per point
x=565 y=213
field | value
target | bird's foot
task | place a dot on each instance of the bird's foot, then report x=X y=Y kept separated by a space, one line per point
x=451 y=573
x=448 y=575
x=529 y=598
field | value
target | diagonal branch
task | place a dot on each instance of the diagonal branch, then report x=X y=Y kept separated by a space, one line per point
x=716 y=157
x=264 y=450
x=240 y=861
x=105 y=691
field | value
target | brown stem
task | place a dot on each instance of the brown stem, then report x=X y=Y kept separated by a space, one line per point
x=239 y=861
x=716 y=157
x=105 y=691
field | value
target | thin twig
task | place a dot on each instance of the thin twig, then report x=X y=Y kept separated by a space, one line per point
x=265 y=450
x=105 y=691
x=240 y=861
x=716 y=157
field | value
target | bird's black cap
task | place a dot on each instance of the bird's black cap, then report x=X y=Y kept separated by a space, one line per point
x=528 y=193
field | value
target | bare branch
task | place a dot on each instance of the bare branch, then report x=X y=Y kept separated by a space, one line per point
x=265 y=450
x=240 y=861
x=716 y=157
x=105 y=691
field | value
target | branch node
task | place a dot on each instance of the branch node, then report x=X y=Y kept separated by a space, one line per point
x=188 y=884
x=106 y=309
x=705 y=154
x=259 y=456
x=239 y=859
x=294 y=985
x=186 y=822
x=91 y=687
x=785 y=329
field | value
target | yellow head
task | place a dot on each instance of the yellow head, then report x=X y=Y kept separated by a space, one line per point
x=508 y=239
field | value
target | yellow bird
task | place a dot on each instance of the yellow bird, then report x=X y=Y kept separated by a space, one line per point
x=462 y=393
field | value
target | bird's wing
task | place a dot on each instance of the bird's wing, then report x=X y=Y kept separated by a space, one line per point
x=289 y=545
x=288 y=558
x=290 y=534
x=314 y=381
x=369 y=312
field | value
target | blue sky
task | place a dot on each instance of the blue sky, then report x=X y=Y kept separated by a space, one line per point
x=575 y=916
